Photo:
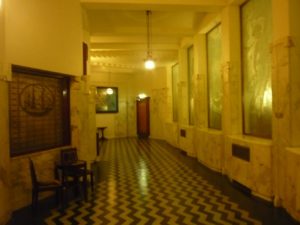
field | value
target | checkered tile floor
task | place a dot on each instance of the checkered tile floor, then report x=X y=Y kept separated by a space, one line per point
x=142 y=181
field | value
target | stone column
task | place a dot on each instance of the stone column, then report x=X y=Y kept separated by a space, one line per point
x=182 y=89
x=231 y=72
x=83 y=119
x=201 y=111
x=231 y=76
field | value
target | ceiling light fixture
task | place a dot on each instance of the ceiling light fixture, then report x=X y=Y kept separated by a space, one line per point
x=149 y=62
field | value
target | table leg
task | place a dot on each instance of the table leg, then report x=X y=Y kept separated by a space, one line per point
x=85 y=184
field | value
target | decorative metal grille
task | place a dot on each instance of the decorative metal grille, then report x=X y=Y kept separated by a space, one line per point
x=39 y=110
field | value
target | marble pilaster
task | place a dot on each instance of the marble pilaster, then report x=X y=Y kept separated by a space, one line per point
x=286 y=95
x=83 y=119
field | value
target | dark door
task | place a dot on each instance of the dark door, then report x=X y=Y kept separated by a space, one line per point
x=143 y=117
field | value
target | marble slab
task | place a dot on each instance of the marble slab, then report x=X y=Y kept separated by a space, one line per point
x=209 y=147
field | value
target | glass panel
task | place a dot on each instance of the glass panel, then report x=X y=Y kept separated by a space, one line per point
x=190 y=57
x=214 y=78
x=107 y=100
x=175 y=74
x=256 y=59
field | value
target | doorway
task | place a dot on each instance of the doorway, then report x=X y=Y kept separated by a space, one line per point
x=143 y=117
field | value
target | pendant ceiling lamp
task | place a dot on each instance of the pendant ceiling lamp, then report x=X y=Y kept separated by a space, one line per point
x=149 y=62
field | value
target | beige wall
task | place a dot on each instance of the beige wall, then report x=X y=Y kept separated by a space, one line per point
x=122 y=124
x=118 y=124
x=45 y=35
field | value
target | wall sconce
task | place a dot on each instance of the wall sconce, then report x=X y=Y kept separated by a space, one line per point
x=141 y=96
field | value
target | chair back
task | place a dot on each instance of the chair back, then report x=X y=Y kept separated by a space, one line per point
x=68 y=155
x=34 y=180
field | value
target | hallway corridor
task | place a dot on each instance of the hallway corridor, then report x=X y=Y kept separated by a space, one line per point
x=142 y=181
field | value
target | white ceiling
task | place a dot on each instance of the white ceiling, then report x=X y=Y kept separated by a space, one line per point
x=119 y=36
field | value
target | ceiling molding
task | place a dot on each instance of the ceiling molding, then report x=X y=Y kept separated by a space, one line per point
x=118 y=33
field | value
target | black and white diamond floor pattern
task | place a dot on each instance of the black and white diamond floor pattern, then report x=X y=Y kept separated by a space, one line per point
x=143 y=183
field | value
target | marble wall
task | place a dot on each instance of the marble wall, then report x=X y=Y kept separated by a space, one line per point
x=186 y=139
x=286 y=133
x=158 y=112
x=291 y=194
x=171 y=133
x=83 y=118
x=255 y=173
x=271 y=172
x=209 y=147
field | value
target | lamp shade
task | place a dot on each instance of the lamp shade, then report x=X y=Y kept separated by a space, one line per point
x=149 y=64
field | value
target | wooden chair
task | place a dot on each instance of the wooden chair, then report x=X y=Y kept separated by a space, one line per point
x=69 y=156
x=42 y=186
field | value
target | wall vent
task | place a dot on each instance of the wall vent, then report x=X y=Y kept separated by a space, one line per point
x=182 y=133
x=241 y=152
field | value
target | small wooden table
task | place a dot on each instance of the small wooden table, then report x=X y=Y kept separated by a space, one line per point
x=79 y=167
x=101 y=129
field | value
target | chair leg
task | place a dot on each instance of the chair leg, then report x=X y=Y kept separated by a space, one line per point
x=92 y=180
x=34 y=201
x=61 y=197
x=57 y=196
x=77 y=186
x=84 y=183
